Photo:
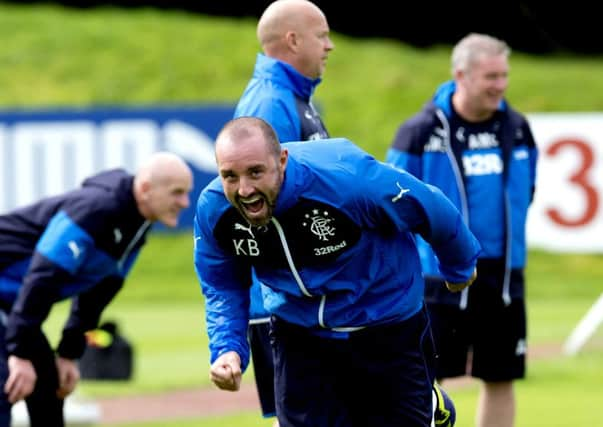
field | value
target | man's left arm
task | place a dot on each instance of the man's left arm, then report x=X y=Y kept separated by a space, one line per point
x=416 y=207
x=86 y=310
x=453 y=242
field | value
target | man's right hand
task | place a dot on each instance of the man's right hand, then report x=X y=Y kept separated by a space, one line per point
x=457 y=287
x=225 y=372
x=21 y=379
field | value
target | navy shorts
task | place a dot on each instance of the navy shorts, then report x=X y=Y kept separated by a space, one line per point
x=378 y=376
x=487 y=340
x=263 y=366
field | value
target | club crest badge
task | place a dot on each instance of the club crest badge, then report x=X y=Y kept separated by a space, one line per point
x=320 y=224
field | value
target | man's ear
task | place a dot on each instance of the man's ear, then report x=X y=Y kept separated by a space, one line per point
x=145 y=189
x=292 y=40
x=284 y=157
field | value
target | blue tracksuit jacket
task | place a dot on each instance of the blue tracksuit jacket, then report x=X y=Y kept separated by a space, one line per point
x=474 y=174
x=339 y=252
x=79 y=244
x=281 y=96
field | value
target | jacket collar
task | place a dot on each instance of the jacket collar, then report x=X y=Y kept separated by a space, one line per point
x=285 y=75
x=442 y=98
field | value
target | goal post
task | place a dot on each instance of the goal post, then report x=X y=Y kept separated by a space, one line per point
x=585 y=328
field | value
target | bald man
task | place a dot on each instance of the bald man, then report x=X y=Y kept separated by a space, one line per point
x=340 y=271
x=294 y=35
x=79 y=245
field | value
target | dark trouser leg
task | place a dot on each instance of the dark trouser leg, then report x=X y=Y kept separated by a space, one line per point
x=396 y=363
x=44 y=407
x=306 y=376
x=5 y=406
x=379 y=376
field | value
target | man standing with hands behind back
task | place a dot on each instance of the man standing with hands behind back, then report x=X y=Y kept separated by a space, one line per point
x=294 y=35
x=480 y=152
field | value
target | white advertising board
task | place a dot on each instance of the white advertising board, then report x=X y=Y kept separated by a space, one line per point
x=567 y=212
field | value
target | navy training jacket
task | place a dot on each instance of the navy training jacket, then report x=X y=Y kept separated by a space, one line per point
x=427 y=146
x=338 y=254
x=79 y=244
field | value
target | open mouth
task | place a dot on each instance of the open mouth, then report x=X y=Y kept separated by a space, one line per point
x=253 y=206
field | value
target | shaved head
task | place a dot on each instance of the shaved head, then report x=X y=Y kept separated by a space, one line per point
x=161 y=187
x=239 y=130
x=161 y=166
x=296 y=32
x=251 y=165
x=282 y=16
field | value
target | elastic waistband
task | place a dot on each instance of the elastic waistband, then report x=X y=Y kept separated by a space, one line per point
x=347 y=331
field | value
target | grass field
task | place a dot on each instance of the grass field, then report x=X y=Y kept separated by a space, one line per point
x=161 y=312
x=54 y=56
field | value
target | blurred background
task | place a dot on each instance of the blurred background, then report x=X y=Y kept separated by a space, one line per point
x=530 y=26
x=90 y=85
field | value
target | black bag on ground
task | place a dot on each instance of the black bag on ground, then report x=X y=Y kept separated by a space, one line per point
x=108 y=355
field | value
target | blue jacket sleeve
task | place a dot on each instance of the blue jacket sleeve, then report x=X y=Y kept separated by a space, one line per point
x=39 y=291
x=406 y=150
x=416 y=207
x=55 y=261
x=86 y=310
x=454 y=244
x=225 y=285
x=404 y=160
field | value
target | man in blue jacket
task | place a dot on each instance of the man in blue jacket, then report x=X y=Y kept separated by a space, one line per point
x=330 y=232
x=480 y=152
x=294 y=35
x=78 y=245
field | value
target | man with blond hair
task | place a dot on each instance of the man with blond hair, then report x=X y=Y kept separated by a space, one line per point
x=470 y=143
